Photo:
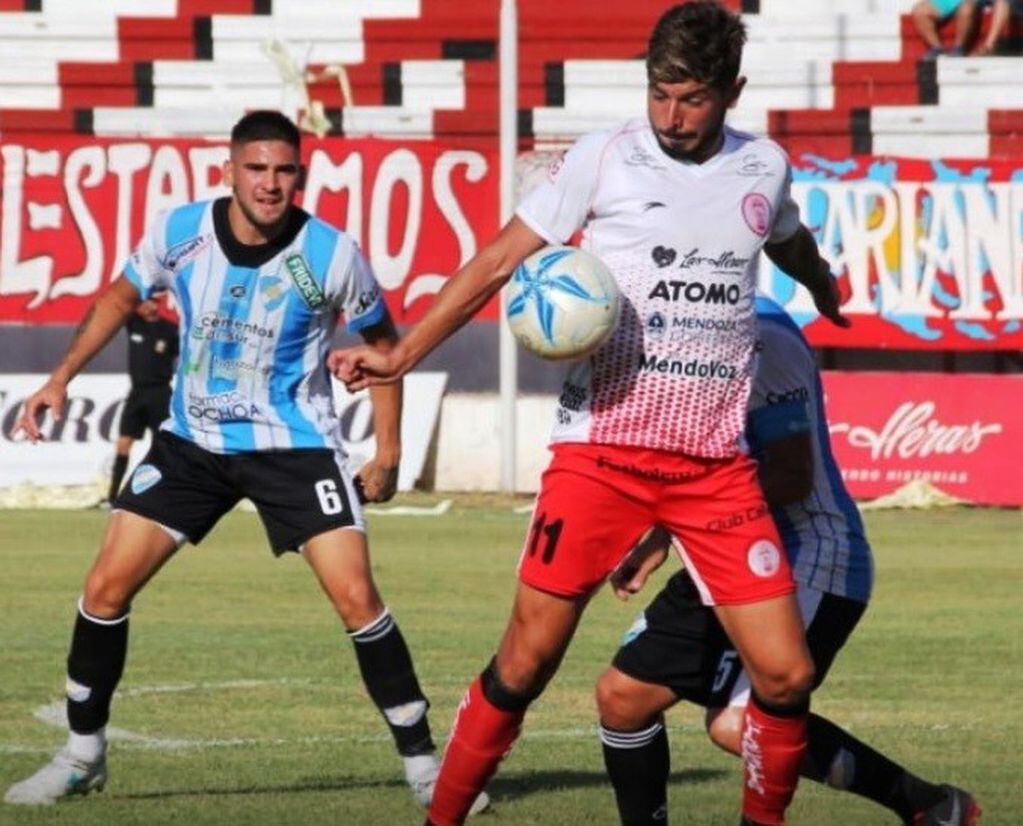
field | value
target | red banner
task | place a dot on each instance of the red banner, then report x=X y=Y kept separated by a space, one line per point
x=961 y=433
x=73 y=208
x=929 y=252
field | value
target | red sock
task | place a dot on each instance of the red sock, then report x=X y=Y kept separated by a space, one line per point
x=772 y=751
x=480 y=738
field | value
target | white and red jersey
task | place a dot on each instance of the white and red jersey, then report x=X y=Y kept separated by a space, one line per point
x=682 y=240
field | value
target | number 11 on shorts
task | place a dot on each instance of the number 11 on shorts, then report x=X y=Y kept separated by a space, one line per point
x=552 y=532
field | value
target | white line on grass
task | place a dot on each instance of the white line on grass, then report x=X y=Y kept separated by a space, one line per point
x=55 y=714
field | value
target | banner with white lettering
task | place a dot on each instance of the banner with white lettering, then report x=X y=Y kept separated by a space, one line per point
x=930 y=253
x=961 y=433
x=73 y=208
x=79 y=449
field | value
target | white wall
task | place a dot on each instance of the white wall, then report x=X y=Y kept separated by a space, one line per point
x=468 y=449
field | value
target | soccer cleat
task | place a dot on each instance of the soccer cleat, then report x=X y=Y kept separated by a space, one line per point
x=956 y=808
x=63 y=776
x=421 y=773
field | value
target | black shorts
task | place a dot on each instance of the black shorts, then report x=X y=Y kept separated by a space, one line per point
x=147 y=406
x=298 y=493
x=678 y=642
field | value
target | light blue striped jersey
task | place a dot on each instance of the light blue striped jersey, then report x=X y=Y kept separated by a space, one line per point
x=256 y=325
x=823 y=534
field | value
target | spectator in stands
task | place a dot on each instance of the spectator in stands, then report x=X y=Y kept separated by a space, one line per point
x=928 y=15
x=1001 y=12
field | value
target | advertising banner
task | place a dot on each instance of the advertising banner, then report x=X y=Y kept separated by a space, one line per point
x=930 y=253
x=961 y=433
x=73 y=208
x=79 y=449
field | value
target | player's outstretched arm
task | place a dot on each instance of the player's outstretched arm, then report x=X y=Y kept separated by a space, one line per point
x=799 y=258
x=459 y=300
x=102 y=320
x=379 y=476
x=632 y=573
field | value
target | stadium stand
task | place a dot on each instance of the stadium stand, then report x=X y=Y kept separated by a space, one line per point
x=418 y=68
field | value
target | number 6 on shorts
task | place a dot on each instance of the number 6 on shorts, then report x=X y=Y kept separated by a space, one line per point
x=330 y=500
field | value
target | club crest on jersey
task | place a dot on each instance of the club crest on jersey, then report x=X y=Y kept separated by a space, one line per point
x=274 y=290
x=144 y=477
x=756 y=211
x=305 y=282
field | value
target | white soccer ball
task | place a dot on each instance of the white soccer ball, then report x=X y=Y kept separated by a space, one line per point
x=562 y=303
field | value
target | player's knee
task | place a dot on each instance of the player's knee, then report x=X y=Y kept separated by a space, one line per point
x=616 y=705
x=105 y=596
x=505 y=695
x=358 y=603
x=786 y=687
x=724 y=727
x=524 y=671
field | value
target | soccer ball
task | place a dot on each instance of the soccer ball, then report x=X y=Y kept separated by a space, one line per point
x=562 y=303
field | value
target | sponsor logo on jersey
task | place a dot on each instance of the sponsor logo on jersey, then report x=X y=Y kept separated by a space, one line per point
x=796 y=394
x=232 y=369
x=726 y=262
x=224 y=407
x=572 y=397
x=756 y=212
x=185 y=252
x=656 y=325
x=237 y=291
x=217 y=327
x=694 y=368
x=274 y=291
x=663 y=256
x=640 y=157
x=752 y=166
x=764 y=558
x=305 y=282
x=697 y=292
x=144 y=477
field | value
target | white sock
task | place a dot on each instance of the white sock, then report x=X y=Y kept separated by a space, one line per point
x=420 y=765
x=87 y=747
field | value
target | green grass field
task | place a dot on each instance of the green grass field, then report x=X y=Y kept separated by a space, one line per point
x=243 y=704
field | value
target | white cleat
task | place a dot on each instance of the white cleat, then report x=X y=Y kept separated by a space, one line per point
x=422 y=771
x=63 y=776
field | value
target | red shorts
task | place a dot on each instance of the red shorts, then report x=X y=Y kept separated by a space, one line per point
x=597 y=501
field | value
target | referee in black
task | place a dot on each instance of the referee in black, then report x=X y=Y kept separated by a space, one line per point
x=152 y=353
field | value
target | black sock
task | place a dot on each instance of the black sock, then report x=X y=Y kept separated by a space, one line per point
x=637 y=763
x=390 y=678
x=117 y=476
x=94 y=667
x=836 y=758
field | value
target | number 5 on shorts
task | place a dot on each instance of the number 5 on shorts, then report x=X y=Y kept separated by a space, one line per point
x=330 y=500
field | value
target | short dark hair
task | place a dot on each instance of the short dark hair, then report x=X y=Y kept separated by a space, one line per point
x=699 y=41
x=265 y=125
